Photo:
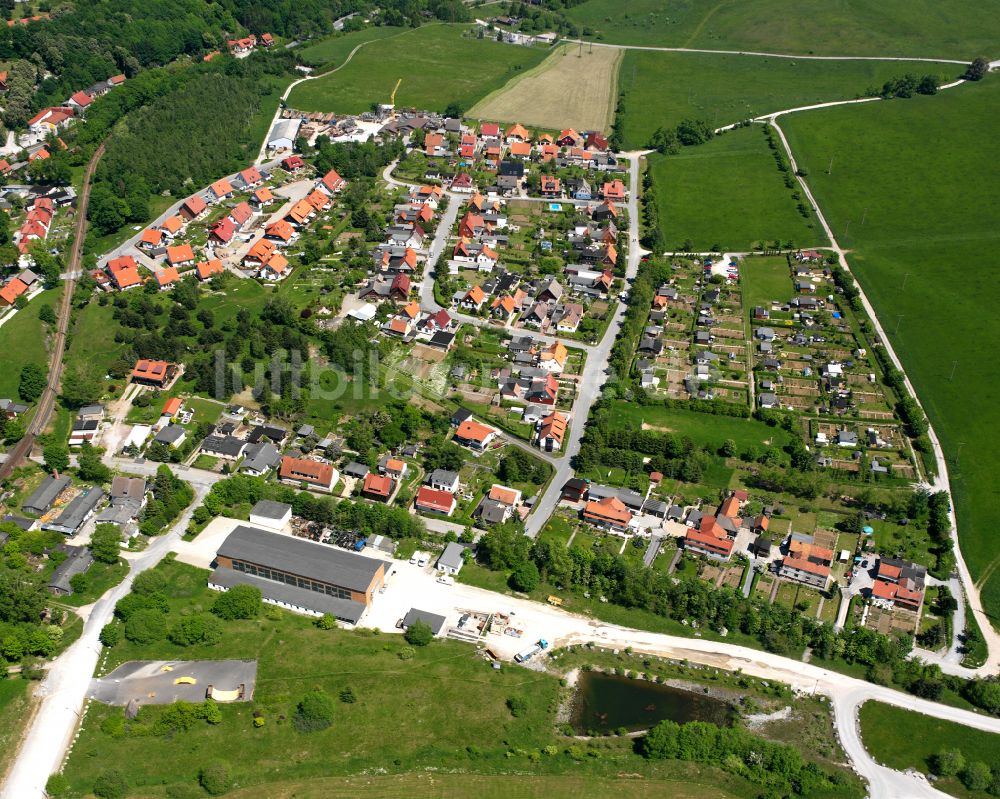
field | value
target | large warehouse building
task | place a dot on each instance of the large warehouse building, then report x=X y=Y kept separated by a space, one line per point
x=298 y=574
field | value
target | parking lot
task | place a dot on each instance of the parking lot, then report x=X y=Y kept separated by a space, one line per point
x=160 y=682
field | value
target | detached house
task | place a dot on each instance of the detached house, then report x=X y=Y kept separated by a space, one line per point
x=220 y=190
x=316 y=475
x=474 y=299
x=474 y=435
x=193 y=208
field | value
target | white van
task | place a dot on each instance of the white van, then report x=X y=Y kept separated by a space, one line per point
x=424 y=559
x=446 y=579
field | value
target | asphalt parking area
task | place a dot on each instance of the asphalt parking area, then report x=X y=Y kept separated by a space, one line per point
x=161 y=682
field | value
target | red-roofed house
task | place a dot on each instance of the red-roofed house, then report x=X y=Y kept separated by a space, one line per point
x=181 y=255
x=250 y=177
x=221 y=190
x=80 y=100
x=609 y=512
x=806 y=562
x=167 y=277
x=474 y=435
x=193 y=207
x=153 y=373
x=709 y=538
x=316 y=475
x=378 y=487
x=206 y=270
x=124 y=272
x=293 y=163
x=433 y=500
x=331 y=182
x=241 y=214
x=222 y=231
x=10 y=292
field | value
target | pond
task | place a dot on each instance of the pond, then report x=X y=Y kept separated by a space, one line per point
x=606 y=702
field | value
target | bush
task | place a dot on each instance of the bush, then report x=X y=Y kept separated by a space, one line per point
x=347 y=696
x=517 y=705
x=314 y=712
x=976 y=776
x=239 y=602
x=149 y=582
x=525 y=577
x=948 y=762
x=57 y=785
x=114 y=726
x=145 y=626
x=111 y=784
x=419 y=633
x=201 y=629
x=215 y=779
x=326 y=622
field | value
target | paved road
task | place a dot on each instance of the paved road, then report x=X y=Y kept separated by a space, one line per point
x=594 y=372
x=941 y=481
x=65 y=687
x=47 y=401
x=155 y=682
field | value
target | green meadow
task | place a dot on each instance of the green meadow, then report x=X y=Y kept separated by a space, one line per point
x=925 y=737
x=328 y=53
x=437 y=65
x=906 y=185
x=960 y=29
x=663 y=88
x=729 y=193
x=23 y=338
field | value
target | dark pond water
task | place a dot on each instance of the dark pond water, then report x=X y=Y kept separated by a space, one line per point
x=605 y=702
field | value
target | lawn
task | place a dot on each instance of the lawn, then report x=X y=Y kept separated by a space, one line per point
x=14 y=707
x=572 y=88
x=915 y=28
x=330 y=52
x=765 y=279
x=702 y=428
x=663 y=88
x=728 y=193
x=24 y=342
x=917 y=261
x=93 y=347
x=453 y=706
x=476 y=786
x=438 y=65
x=924 y=738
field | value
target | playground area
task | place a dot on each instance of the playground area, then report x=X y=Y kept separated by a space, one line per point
x=161 y=682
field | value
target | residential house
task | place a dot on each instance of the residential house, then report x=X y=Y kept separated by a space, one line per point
x=180 y=256
x=551 y=186
x=432 y=500
x=221 y=190
x=552 y=431
x=206 y=270
x=193 y=208
x=474 y=435
x=378 y=487
x=709 y=537
x=314 y=474
x=153 y=373
x=806 y=562
x=609 y=512
x=614 y=191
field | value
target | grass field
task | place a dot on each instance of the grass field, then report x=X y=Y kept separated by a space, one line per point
x=23 y=340
x=925 y=737
x=916 y=28
x=728 y=193
x=662 y=88
x=923 y=262
x=474 y=786
x=430 y=722
x=330 y=52
x=14 y=707
x=571 y=88
x=702 y=428
x=438 y=64
x=765 y=279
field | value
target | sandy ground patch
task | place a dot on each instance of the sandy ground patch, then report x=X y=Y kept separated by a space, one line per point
x=573 y=87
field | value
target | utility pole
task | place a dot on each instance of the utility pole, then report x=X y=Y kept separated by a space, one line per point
x=899 y=318
x=829 y=169
x=954 y=365
x=865 y=214
x=847 y=229
x=905 y=278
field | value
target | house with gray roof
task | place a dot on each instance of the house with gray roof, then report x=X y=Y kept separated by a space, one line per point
x=451 y=561
x=260 y=458
x=45 y=495
x=78 y=560
x=80 y=508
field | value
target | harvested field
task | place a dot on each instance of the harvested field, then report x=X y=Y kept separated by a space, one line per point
x=570 y=88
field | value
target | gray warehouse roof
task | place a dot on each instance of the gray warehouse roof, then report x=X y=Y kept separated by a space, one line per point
x=270 y=509
x=78 y=560
x=76 y=513
x=343 y=609
x=45 y=494
x=414 y=614
x=301 y=557
x=452 y=556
